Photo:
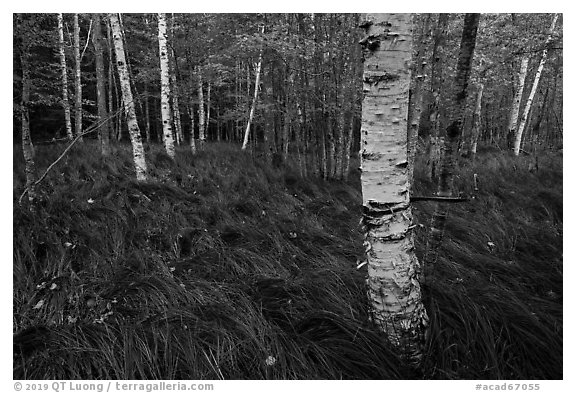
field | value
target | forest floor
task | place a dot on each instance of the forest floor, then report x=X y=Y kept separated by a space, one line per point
x=222 y=267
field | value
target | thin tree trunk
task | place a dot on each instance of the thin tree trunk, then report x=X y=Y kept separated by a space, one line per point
x=453 y=132
x=393 y=269
x=416 y=91
x=356 y=106
x=331 y=147
x=104 y=131
x=165 y=87
x=477 y=119
x=522 y=124
x=27 y=146
x=192 y=140
x=133 y=129
x=513 y=123
x=175 y=90
x=147 y=113
x=287 y=115
x=201 y=116
x=255 y=99
x=436 y=81
x=111 y=82
x=207 y=125
x=64 y=71
x=77 y=79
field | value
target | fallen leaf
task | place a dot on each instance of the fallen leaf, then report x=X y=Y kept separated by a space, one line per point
x=38 y=305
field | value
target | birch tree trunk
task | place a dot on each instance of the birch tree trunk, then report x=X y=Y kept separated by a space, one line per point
x=133 y=129
x=457 y=104
x=207 y=124
x=77 y=79
x=104 y=130
x=27 y=146
x=524 y=119
x=165 y=88
x=477 y=119
x=393 y=269
x=513 y=123
x=175 y=91
x=64 y=71
x=192 y=140
x=111 y=81
x=201 y=116
x=255 y=99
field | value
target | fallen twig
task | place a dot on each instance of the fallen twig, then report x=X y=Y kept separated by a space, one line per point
x=439 y=199
x=92 y=128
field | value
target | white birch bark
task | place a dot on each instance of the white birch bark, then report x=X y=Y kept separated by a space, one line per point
x=165 y=88
x=192 y=140
x=254 y=99
x=201 y=118
x=477 y=118
x=207 y=124
x=393 y=269
x=77 y=79
x=133 y=129
x=524 y=119
x=513 y=122
x=63 y=70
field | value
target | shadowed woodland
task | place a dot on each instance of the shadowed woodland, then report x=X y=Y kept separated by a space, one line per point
x=219 y=196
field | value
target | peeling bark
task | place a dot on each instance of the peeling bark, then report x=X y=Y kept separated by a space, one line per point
x=393 y=269
x=133 y=129
x=165 y=87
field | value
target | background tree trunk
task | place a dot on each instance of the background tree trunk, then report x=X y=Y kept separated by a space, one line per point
x=201 y=115
x=255 y=99
x=165 y=87
x=64 y=71
x=476 y=123
x=104 y=129
x=133 y=129
x=513 y=123
x=27 y=146
x=518 y=139
x=436 y=82
x=455 y=110
x=77 y=79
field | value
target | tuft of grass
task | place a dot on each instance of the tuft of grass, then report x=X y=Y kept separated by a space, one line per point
x=221 y=267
